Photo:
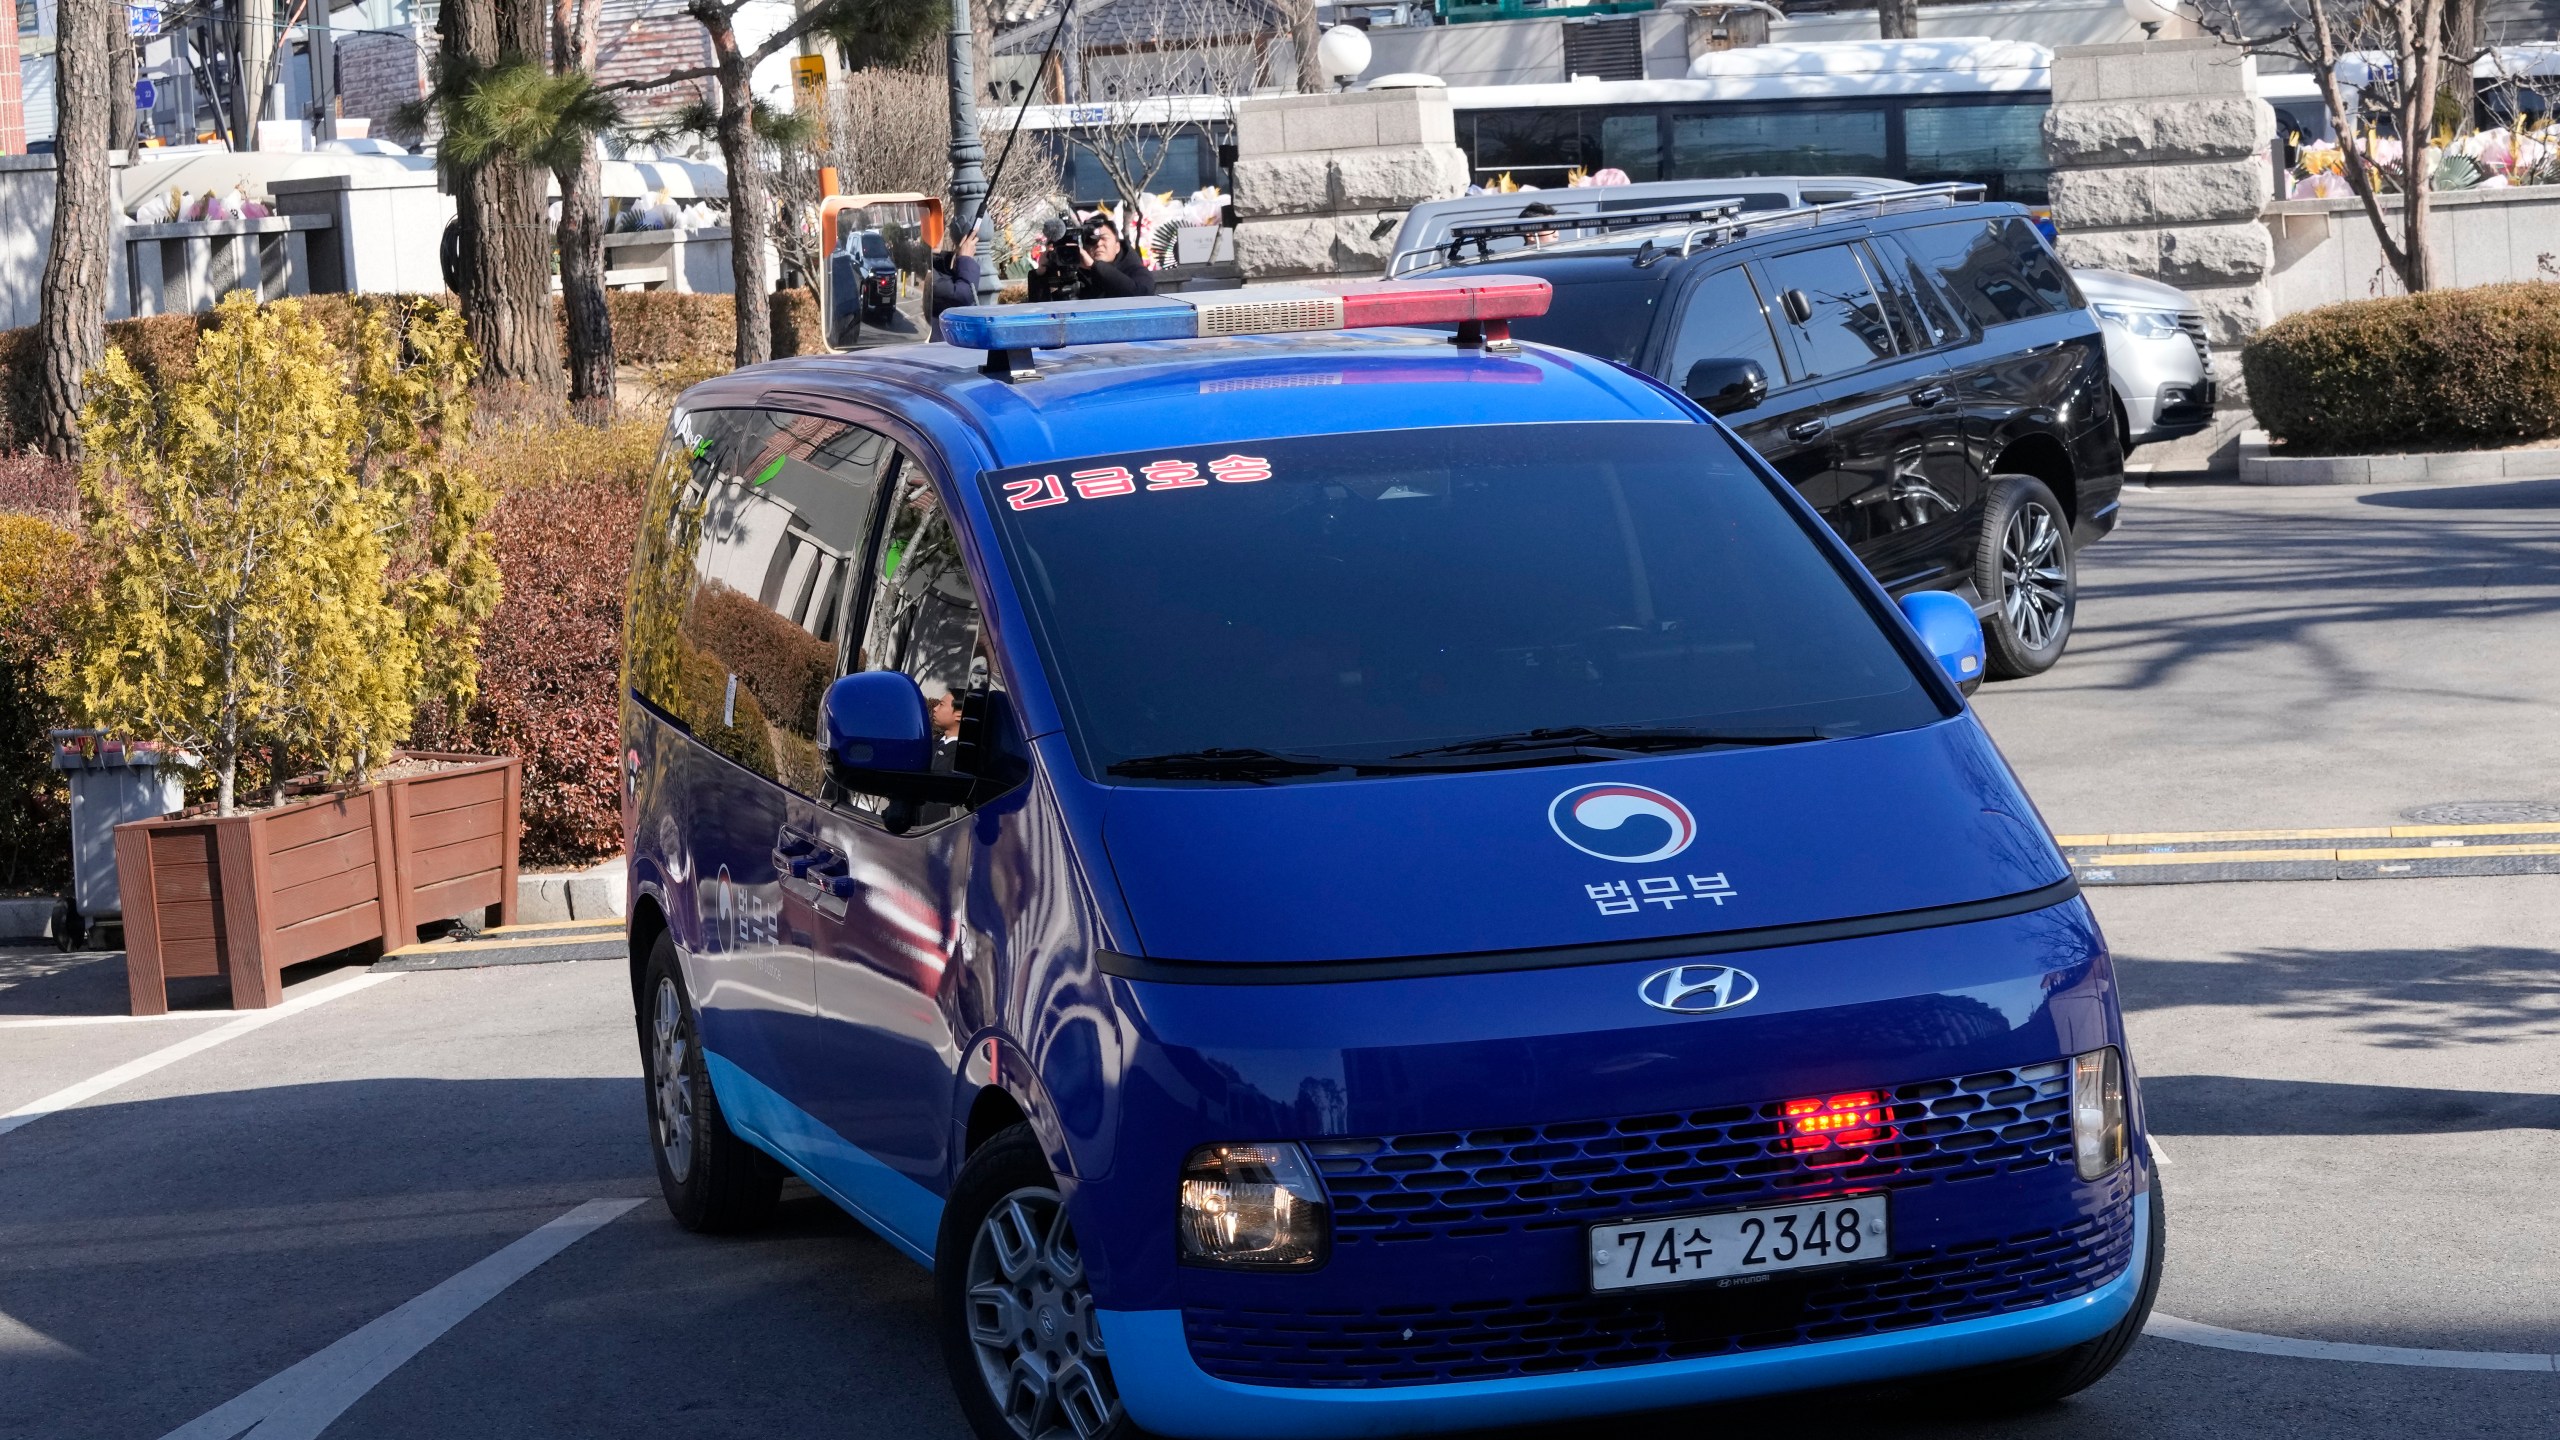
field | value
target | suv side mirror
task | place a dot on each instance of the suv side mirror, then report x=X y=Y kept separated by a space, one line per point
x=1726 y=385
x=880 y=740
x=1948 y=627
x=1797 y=305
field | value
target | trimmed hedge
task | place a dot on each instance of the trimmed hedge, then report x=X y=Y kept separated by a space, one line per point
x=2447 y=368
x=650 y=327
x=551 y=661
x=42 y=574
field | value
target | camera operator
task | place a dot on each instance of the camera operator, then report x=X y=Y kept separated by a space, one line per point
x=1086 y=262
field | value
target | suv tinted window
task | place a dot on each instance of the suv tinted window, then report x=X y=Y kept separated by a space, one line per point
x=1908 y=278
x=1724 y=317
x=1605 y=318
x=1847 y=327
x=750 y=547
x=1998 y=270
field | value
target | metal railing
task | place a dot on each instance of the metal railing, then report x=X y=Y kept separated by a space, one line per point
x=1882 y=203
x=1578 y=224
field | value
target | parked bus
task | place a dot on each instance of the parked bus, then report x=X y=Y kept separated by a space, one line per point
x=1918 y=110
x=1925 y=111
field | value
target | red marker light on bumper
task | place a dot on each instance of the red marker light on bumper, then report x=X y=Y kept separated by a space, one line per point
x=1841 y=1121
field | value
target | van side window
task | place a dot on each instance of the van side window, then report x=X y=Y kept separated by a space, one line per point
x=1998 y=270
x=925 y=618
x=751 y=548
x=1724 y=318
x=1846 y=327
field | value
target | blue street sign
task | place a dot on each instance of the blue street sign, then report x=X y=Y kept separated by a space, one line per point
x=144 y=93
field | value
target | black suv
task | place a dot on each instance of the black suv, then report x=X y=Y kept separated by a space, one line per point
x=1918 y=365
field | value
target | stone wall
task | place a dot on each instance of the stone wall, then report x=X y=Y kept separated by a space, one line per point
x=2326 y=251
x=2161 y=169
x=1322 y=181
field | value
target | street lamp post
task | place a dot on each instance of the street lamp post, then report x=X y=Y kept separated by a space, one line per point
x=968 y=155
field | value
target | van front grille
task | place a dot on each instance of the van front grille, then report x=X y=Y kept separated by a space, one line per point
x=1488 y=1339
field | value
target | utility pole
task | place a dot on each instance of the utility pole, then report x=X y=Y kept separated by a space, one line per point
x=324 y=73
x=968 y=155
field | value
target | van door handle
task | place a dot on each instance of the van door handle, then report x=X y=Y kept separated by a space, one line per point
x=1932 y=395
x=825 y=869
x=1807 y=429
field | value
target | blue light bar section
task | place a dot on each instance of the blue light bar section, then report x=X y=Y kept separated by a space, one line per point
x=1069 y=322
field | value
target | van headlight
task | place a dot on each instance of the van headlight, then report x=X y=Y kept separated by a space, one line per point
x=1254 y=1207
x=2097 y=1112
x=2139 y=323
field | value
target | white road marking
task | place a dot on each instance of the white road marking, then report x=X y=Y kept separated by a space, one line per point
x=96 y=1085
x=302 y=1400
x=2151 y=1143
x=2170 y=1327
x=43 y=1022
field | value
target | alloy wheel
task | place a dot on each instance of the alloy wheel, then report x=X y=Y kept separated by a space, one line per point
x=673 y=1095
x=1031 y=1319
x=2034 y=583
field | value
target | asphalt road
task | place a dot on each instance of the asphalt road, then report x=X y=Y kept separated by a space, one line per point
x=2356 y=1084
x=2251 y=658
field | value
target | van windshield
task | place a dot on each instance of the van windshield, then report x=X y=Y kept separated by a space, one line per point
x=1397 y=600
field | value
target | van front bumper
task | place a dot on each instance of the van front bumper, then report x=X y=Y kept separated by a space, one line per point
x=1166 y=1391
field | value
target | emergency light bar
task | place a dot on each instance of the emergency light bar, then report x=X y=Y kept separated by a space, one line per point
x=1481 y=306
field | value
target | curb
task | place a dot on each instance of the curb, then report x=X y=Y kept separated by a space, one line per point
x=594 y=893
x=2258 y=467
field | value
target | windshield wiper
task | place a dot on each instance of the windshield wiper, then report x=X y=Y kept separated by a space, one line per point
x=1612 y=741
x=1246 y=763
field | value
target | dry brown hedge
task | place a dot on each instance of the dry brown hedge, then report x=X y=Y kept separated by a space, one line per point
x=2473 y=367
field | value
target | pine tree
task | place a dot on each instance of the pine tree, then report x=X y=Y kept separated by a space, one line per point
x=294 y=559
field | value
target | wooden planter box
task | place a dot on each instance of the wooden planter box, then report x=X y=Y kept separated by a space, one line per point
x=243 y=896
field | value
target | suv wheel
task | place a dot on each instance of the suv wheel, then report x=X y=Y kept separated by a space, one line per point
x=713 y=1180
x=2024 y=566
x=1019 y=1333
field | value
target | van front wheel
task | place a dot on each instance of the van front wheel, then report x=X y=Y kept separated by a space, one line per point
x=1019 y=1332
x=2024 y=566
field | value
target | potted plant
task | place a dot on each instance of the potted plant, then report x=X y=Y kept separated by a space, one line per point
x=294 y=562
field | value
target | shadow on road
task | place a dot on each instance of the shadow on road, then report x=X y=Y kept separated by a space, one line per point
x=2233 y=1105
x=2397 y=998
x=2510 y=495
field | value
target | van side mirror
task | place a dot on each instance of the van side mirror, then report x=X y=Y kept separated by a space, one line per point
x=1726 y=385
x=880 y=740
x=1948 y=627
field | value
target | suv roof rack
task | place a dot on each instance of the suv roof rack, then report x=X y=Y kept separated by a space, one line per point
x=1918 y=197
x=1582 y=223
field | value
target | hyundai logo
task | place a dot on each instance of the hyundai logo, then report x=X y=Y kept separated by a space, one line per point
x=1698 y=989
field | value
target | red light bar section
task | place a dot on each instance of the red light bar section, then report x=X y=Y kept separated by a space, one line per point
x=1844 y=1120
x=1444 y=302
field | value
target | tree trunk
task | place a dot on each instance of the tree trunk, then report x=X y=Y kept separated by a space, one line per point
x=71 y=326
x=2466 y=34
x=2422 y=63
x=1898 y=19
x=749 y=212
x=506 y=240
x=1303 y=37
x=122 y=118
x=581 y=237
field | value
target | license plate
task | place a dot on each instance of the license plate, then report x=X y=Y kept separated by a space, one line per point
x=1632 y=1254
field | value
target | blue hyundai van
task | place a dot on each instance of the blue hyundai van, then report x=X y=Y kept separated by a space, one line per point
x=1330 y=880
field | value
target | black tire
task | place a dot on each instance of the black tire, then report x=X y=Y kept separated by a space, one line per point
x=2023 y=564
x=714 y=1182
x=1006 y=1268
x=2033 y=1384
